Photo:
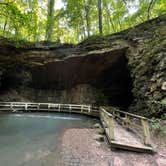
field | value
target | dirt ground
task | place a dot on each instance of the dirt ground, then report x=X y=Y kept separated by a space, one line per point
x=79 y=148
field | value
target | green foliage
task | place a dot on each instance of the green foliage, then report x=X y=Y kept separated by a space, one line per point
x=36 y=20
x=159 y=124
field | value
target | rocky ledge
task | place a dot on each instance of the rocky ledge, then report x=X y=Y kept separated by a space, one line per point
x=126 y=70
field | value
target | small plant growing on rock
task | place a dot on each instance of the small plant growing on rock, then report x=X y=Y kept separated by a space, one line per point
x=159 y=124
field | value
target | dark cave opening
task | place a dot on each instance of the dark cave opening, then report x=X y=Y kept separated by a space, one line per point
x=106 y=72
x=116 y=84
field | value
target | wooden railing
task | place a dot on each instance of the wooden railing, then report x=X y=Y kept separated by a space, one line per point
x=106 y=114
x=107 y=121
x=127 y=120
x=50 y=107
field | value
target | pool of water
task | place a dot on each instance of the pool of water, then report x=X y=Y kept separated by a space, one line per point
x=32 y=139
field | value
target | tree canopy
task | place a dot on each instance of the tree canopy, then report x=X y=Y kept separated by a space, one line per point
x=43 y=20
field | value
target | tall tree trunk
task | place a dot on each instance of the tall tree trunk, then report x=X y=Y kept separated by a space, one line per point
x=120 y=25
x=109 y=17
x=83 y=28
x=50 y=20
x=4 y=27
x=87 y=9
x=149 y=9
x=100 y=17
x=78 y=33
x=30 y=4
x=16 y=32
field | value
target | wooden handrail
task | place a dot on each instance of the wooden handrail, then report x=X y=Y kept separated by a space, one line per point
x=75 y=108
x=107 y=113
x=127 y=113
x=126 y=122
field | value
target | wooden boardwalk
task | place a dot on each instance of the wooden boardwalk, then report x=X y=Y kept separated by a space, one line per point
x=123 y=130
x=126 y=131
x=127 y=140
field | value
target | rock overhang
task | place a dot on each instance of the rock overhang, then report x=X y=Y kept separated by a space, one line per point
x=81 y=69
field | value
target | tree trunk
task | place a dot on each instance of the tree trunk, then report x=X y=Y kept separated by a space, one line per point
x=87 y=9
x=120 y=25
x=4 y=27
x=100 y=17
x=30 y=4
x=109 y=17
x=50 y=20
x=83 y=28
x=149 y=9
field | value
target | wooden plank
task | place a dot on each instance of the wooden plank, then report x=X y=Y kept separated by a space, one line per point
x=111 y=128
x=117 y=145
x=146 y=131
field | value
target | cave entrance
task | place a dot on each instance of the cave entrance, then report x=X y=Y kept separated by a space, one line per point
x=105 y=71
x=115 y=83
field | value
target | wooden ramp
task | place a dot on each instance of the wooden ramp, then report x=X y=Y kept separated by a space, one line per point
x=125 y=139
x=120 y=135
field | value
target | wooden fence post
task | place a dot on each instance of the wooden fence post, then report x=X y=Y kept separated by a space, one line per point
x=70 y=108
x=81 y=108
x=127 y=120
x=113 y=112
x=145 y=127
x=59 y=107
x=89 y=110
x=111 y=128
x=25 y=106
x=11 y=106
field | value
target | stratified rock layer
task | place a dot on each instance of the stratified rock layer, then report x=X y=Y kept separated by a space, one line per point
x=110 y=70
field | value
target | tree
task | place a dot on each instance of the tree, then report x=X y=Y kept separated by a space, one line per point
x=108 y=20
x=87 y=12
x=100 y=17
x=36 y=20
x=149 y=9
x=50 y=20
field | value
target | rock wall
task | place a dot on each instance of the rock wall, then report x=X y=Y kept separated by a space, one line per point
x=146 y=56
x=47 y=70
x=147 y=62
x=126 y=69
x=81 y=94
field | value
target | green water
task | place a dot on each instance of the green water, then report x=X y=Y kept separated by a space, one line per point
x=32 y=139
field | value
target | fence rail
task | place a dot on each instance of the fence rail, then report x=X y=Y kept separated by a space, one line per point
x=50 y=107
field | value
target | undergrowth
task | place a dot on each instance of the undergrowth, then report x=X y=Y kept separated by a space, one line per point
x=159 y=124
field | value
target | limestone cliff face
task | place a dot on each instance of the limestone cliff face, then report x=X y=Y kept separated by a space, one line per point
x=123 y=69
x=95 y=77
x=81 y=94
x=146 y=56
